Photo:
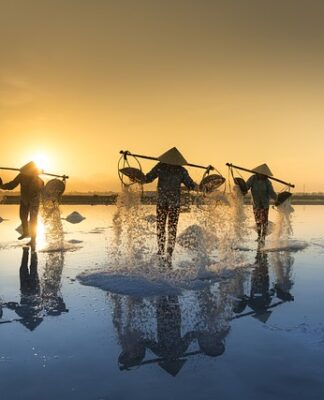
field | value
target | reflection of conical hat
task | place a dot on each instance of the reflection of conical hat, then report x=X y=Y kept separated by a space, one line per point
x=173 y=157
x=263 y=317
x=172 y=367
x=262 y=169
x=30 y=169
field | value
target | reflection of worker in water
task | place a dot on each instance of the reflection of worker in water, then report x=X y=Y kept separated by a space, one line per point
x=170 y=345
x=261 y=294
x=214 y=320
x=130 y=330
x=30 y=190
x=132 y=320
x=30 y=309
x=262 y=191
x=171 y=174
x=282 y=264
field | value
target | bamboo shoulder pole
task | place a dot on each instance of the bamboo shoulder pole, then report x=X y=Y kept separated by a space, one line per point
x=42 y=173
x=9 y=169
x=253 y=172
x=127 y=153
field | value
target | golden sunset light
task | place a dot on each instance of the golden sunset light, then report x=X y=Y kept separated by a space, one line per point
x=219 y=81
x=161 y=199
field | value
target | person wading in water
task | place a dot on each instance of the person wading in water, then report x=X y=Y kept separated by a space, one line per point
x=31 y=186
x=262 y=191
x=171 y=174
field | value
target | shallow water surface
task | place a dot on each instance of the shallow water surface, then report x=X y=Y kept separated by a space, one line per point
x=78 y=320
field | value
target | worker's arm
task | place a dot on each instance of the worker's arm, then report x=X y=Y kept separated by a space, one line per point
x=271 y=191
x=249 y=182
x=153 y=174
x=12 y=184
x=187 y=181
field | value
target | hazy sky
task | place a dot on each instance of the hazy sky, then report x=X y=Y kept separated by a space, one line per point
x=239 y=81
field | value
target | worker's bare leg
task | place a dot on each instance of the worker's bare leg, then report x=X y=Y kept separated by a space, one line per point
x=33 y=223
x=23 y=214
x=172 y=228
x=161 y=217
x=264 y=221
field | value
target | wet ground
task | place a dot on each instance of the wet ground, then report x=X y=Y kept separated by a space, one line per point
x=252 y=330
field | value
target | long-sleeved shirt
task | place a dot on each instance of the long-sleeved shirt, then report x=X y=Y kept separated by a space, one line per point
x=170 y=179
x=262 y=191
x=30 y=187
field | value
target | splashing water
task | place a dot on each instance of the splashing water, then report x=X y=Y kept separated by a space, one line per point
x=223 y=216
x=51 y=215
x=54 y=258
x=53 y=229
x=283 y=225
x=129 y=226
x=238 y=215
x=206 y=249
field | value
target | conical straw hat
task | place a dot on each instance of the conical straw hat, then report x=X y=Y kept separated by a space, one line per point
x=262 y=169
x=173 y=157
x=30 y=169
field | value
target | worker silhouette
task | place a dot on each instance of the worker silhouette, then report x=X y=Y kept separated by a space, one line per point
x=171 y=174
x=262 y=191
x=31 y=186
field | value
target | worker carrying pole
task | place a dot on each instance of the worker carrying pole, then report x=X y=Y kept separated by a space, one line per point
x=31 y=187
x=262 y=191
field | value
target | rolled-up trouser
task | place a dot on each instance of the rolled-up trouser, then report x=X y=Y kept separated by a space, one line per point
x=29 y=211
x=261 y=216
x=164 y=212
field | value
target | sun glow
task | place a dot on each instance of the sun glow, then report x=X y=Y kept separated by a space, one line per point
x=42 y=161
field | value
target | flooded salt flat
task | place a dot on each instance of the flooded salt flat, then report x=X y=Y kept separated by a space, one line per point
x=94 y=315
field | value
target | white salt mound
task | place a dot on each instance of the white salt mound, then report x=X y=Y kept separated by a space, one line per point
x=62 y=247
x=127 y=285
x=19 y=229
x=151 y=219
x=195 y=237
x=74 y=218
x=285 y=245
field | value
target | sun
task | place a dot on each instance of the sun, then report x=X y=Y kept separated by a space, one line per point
x=42 y=161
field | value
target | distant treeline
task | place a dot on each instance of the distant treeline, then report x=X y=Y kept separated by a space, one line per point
x=150 y=198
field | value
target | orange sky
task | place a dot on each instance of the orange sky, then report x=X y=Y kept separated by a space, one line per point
x=221 y=80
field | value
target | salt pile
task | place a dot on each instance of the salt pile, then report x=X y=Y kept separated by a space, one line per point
x=151 y=218
x=74 y=218
x=195 y=237
x=285 y=245
x=19 y=229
